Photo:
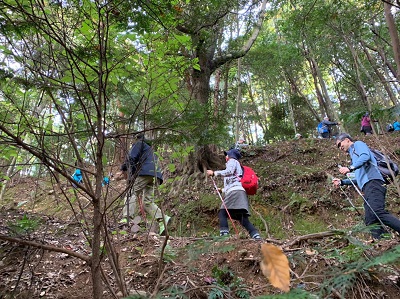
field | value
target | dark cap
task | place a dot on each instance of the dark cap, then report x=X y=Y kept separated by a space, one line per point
x=233 y=153
x=343 y=136
x=139 y=136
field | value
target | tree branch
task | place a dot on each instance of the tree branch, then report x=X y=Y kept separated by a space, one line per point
x=312 y=236
x=246 y=47
x=85 y=258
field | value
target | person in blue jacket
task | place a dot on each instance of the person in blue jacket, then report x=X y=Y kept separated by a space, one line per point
x=144 y=175
x=370 y=181
x=396 y=126
x=77 y=176
x=324 y=127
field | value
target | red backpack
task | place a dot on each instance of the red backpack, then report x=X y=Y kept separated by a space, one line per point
x=249 y=180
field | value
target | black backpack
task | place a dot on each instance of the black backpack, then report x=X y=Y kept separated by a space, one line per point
x=382 y=162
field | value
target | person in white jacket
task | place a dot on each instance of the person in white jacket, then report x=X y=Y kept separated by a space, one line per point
x=235 y=201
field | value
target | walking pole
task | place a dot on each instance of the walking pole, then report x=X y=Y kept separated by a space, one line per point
x=223 y=202
x=128 y=199
x=359 y=192
x=351 y=203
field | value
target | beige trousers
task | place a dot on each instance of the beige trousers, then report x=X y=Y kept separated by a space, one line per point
x=143 y=188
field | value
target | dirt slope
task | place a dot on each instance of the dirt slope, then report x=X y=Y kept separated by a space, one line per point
x=296 y=209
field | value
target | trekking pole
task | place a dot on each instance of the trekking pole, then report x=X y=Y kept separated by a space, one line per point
x=349 y=200
x=128 y=199
x=223 y=202
x=359 y=192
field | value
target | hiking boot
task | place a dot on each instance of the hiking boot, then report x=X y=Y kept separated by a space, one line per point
x=257 y=237
x=223 y=233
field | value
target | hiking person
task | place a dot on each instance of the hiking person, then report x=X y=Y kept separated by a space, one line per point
x=144 y=176
x=396 y=126
x=324 y=127
x=298 y=136
x=235 y=204
x=77 y=176
x=370 y=181
x=366 y=127
x=241 y=143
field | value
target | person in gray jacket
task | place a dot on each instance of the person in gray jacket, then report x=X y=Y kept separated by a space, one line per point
x=144 y=175
x=235 y=201
x=370 y=181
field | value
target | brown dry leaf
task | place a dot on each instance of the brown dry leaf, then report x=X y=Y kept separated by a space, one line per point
x=310 y=252
x=275 y=266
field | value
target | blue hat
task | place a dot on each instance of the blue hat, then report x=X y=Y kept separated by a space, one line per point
x=233 y=153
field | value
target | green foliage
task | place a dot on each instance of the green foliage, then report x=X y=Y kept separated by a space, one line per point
x=356 y=264
x=296 y=293
x=135 y=297
x=226 y=279
x=274 y=220
x=24 y=226
x=190 y=211
x=307 y=225
x=297 y=200
x=280 y=127
x=170 y=253
x=197 y=248
x=216 y=293
x=305 y=121
x=347 y=254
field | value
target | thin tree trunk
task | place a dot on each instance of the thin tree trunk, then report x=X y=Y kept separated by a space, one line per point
x=218 y=74
x=238 y=99
x=394 y=36
x=324 y=102
x=361 y=86
x=226 y=89
x=252 y=100
x=296 y=90
x=10 y=170
x=382 y=79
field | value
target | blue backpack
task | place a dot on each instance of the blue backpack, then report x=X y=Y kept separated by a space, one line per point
x=322 y=128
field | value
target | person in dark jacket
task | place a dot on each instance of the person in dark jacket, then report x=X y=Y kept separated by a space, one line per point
x=370 y=181
x=235 y=200
x=144 y=175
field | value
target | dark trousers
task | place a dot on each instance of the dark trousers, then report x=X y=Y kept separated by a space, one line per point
x=374 y=194
x=239 y=215
x=326 y=135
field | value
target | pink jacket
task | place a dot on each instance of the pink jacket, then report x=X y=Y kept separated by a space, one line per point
x=366 y=121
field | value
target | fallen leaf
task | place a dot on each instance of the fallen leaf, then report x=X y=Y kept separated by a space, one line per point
x=275 y=266
x=310 y=252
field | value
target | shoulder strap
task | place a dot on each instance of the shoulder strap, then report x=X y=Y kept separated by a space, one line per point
x=371 y=153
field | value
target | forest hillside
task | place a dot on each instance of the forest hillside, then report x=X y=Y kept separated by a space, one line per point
x=318 y=228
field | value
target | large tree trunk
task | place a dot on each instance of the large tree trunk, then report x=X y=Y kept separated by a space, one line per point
x=198 y=81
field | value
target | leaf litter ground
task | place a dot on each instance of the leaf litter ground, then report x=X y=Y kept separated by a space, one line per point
x=195 y=266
